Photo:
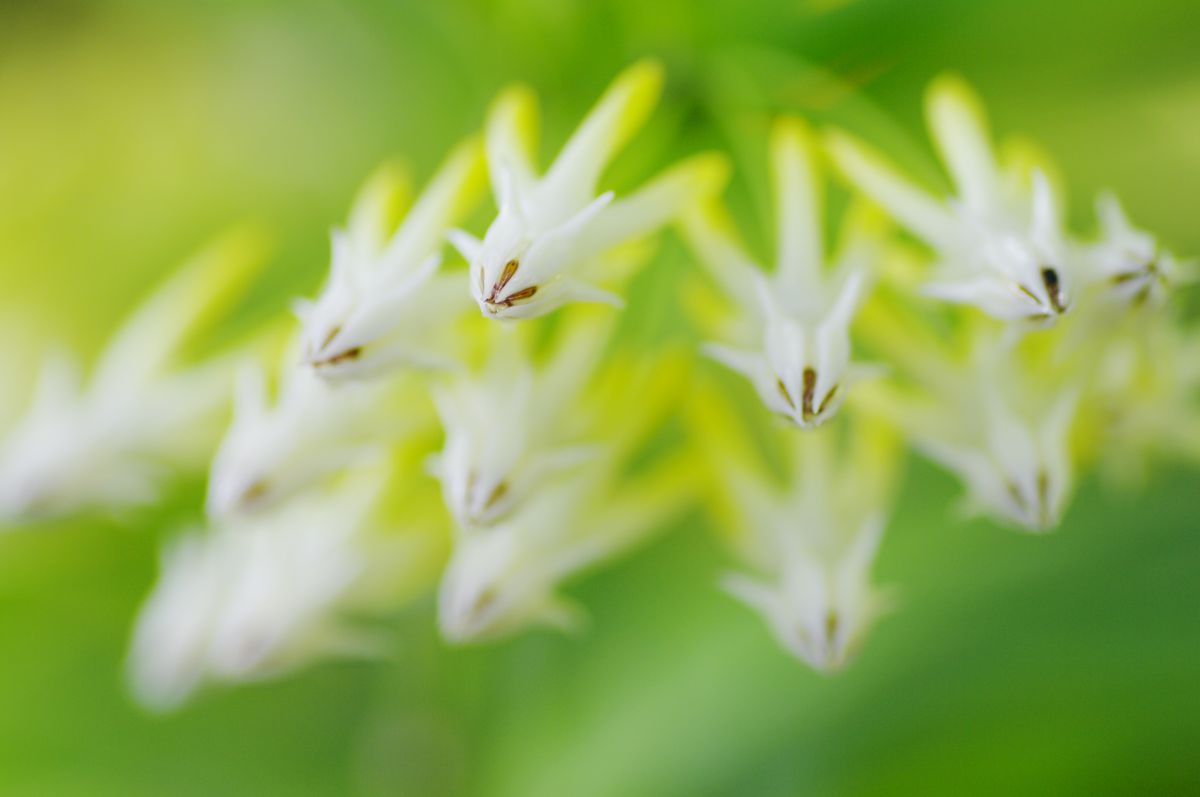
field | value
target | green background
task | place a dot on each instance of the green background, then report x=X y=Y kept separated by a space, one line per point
x=131 y=132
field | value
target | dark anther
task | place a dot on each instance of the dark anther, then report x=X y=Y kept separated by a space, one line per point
x=810 y=388
x=346 y=356
x=524 y=293
x=510 y=268
x=1053 y=289
x=783 y=391
x=499 y=492
x=828 y=398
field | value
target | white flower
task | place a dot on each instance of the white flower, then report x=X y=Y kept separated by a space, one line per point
x=1001 y=421
x=504 y=578
x=1128 y=260
x=384 y=301
x=259 y=597
x=313 y=430
x=142 y=416
x=1015 y=468
x=801 y=365
x=811 y=542
x=551 y=228
x=1143 y=402
x=504 y=427
x=999 y=241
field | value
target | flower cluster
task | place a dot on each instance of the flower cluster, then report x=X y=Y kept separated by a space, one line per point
x=975 y=328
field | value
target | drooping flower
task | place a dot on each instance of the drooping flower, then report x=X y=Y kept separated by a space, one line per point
x=505 y=576
x=543 y=249
x=509 y=428
x=811 y=542
x=144 y=414
x=256 y=597
x=313 y=430
x=999 y=240
x=800 y=362
x=385 y=302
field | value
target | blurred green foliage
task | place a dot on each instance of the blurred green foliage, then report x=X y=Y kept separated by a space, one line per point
x=132 y=130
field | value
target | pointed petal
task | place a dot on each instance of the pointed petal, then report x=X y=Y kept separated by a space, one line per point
x=449 y=197
x=378 y=206
x=959 y=129
x=188 y=300
x=621 y=112
x=657 y=202
x=913 y=206
x=511 y=138
x=799 y=224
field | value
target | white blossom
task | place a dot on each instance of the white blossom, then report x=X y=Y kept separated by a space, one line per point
x=312 y=430
x=800 y=365
x=1127 y=260
x=542 y=249
x=999 y=240
x=507 y=428
x=506 y=577
x=385 y=302
x=142 y=415
x=257 y=597
x=810 y=543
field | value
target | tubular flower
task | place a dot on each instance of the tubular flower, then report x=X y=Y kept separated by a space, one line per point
x=257 y=597
x=142 y=415
x=507 y=427
x=313 y=430
x=384 y=300
x=550 y=229
x=999 y=241
x=810 y=543
x=800 y=366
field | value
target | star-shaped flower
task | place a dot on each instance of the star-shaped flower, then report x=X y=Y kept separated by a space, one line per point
x=506 y=577
x=809 y=543
x=385 y=302
x=800 y=365
x=313 y=430
x=999 y=240
x=551 y=228
x=508 y=427
x=1129 y=261
x=256 y=597
x=142 y=415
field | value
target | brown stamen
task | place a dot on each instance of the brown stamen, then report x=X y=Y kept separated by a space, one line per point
x=510 y=269
x=346 y=356
x=810 y=388
x=498 y=493
x=1053 y=289
x=828 y=398
x=783 y=391
x=524 y=293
